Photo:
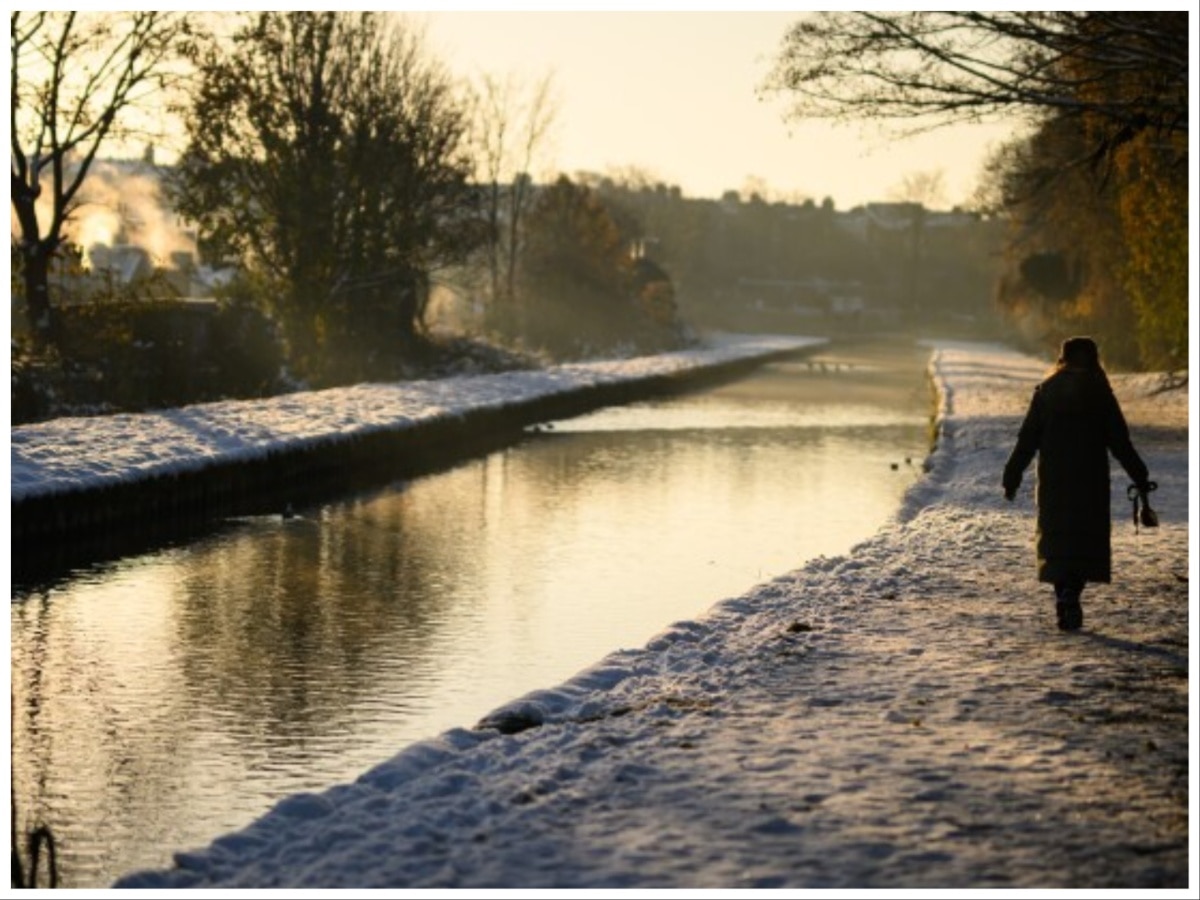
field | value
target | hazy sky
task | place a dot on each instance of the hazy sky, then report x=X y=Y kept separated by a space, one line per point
x=675 y=93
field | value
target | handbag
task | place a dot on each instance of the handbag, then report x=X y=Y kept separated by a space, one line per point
x=1142 y=512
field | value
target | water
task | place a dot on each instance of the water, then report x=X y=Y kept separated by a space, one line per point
x=166 y=699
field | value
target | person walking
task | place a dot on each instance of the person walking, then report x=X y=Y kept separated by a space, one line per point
x=1073 y=422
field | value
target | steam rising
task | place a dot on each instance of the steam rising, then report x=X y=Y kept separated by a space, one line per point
x=121 y=202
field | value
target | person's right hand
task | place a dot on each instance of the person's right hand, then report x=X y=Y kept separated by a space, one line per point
x=1011 y=482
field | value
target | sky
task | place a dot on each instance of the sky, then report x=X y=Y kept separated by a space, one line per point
x=833 y=728
x=676 y=94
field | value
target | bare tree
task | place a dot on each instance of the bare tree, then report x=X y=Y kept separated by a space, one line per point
x=920 y=191
x=927 y=188
x=74 y=76
x=755 y=187
x=513 y=121
x=1128 y=71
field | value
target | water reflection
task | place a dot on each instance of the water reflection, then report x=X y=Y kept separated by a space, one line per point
x=172 y=697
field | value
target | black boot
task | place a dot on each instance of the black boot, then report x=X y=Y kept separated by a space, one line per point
x=1068 y=607
x=1070 y=615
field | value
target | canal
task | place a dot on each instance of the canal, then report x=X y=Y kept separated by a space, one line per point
x=164 y=699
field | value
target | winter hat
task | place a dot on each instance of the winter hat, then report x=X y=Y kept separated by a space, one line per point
x=1081 y=352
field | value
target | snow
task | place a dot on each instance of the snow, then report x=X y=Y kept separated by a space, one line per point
x=78 y=454
x=904 y=716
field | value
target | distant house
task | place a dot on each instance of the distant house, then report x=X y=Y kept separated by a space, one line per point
x=875 y=219
x=808 y=298
x=125 y=263
x=847 y=305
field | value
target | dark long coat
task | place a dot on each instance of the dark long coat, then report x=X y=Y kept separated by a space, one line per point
x=1073 y=422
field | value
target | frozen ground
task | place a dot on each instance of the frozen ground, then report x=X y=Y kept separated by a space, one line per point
x=905 y=716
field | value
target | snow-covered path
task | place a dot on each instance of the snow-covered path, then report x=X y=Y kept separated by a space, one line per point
x=904 y=716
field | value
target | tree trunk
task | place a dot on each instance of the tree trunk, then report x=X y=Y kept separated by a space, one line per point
x=36 y=253
x=43 y=322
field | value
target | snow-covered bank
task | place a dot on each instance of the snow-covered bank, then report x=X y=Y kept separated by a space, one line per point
x=73 y=454
x=904 y=716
